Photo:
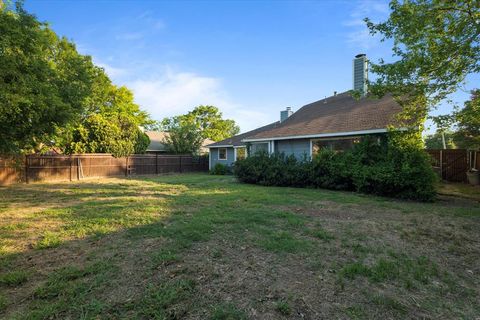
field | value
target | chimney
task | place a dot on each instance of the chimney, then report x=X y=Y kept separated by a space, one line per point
x=360 y=73
x=285 y=114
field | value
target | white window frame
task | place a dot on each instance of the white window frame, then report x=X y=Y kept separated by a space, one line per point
x=226 y=154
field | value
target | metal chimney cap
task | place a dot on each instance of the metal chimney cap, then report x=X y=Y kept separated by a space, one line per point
x=289 y=108
x=360 y=55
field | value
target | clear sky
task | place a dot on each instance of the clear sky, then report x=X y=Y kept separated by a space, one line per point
x=251 y=59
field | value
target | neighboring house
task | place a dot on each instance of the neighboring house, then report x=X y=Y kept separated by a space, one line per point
x=157 y=144
x=336 y=122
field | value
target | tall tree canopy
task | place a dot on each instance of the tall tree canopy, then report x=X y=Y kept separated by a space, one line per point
x=110 y=125
x=436 y=43
x=43 y=81
x=208 y=120
x=184 y=138
x=53 y=96
x=468 y=123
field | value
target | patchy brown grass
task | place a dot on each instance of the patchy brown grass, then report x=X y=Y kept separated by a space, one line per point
x=205 y=247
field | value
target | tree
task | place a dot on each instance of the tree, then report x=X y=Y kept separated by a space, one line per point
x=111 y=124
x=468 y=123
x=437 y=44
x=208 y=119
x=443 y=123
x=444 y=139
x=184 y=139
x=43 y=81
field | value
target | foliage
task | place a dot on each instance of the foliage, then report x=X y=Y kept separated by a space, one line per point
x=53 y=96
x=43 y=81
x=437 y=46
x=220 y=169
x=115 y=134
x=208 y=119
x=435 y=141
x=468 y=123
x=393 y=169
x=183 y=139
x=142 y=142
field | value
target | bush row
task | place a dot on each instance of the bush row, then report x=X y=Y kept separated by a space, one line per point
x=381 y=169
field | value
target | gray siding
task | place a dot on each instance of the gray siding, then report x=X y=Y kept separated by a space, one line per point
x=214 y=157
x=297 y=147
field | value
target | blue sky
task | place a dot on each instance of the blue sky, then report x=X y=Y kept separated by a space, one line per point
x=249 y=58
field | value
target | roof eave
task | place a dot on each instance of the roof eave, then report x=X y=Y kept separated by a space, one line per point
x=321 y=135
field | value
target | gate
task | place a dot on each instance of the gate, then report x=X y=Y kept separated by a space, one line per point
x=452 y=164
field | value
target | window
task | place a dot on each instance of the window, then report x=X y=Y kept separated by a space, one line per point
x=241 y=153
x=337 y=144
x=222 y=153
x=259 y=147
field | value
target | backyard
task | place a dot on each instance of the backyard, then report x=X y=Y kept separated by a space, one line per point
x=196 y=246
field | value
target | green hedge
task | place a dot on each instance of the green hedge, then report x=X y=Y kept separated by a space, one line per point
x=381 y=169
x=220 y=169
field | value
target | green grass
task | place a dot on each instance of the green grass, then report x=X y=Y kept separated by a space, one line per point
x=227 y=312
x=283 y=307
x=200 y=246
x=13 y=278
x=400 y=268
x=3 y=302
x=158 y=301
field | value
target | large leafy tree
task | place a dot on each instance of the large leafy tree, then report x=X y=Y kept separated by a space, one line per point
x=184 y=139
x=111 y=124
x=436 y=44
x=53 y=96
x=43 y=81
x=208 y=119
x=444 y=139
x=468 y=123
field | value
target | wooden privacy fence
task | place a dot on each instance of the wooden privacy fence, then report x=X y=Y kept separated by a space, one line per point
x=452 y=164
x=76 y=167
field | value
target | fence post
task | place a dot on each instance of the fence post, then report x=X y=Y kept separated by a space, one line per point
x=156 y=163
x=441 y=164
x=126 y=166
x=70 y=161
x=78 y=168
x=180 y=169
x=26 y=169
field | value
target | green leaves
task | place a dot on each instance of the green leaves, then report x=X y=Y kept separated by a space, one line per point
x=43 y=81
x=437 y=44
x=52 y=95
x=207 y=119
x=184 y=139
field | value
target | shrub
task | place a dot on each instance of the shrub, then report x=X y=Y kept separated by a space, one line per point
x=220 y=169
x=386 y=169
x=274 y=170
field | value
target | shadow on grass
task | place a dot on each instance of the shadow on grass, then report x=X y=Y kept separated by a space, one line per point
x=95 y=247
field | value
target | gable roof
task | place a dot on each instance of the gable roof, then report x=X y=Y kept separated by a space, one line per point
x=157 y=139
x=236 y=141
x=337 y=114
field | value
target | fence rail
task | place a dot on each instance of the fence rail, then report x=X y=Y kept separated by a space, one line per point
x=76 y=167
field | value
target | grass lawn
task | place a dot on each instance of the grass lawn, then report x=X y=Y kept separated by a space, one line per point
x=196 y=246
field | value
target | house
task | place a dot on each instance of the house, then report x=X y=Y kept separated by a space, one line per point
x=336 y=122
x=157 y=145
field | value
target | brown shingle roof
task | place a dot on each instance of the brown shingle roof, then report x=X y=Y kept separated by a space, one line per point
x=336 y=114
x=157 y=139
x=237 y=140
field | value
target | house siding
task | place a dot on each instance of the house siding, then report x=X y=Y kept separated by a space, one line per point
x=298 y=147
x=214 y=157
